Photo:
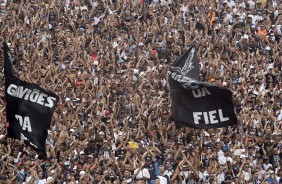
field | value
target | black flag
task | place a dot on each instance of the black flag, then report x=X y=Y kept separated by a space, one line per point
x=198 y=104
x=29 y=107
x=187 y=64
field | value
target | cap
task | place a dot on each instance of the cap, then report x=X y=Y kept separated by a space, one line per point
x=96 y=63
x=81 y=173
x=148 y=158
x=266 y=158
x=243 y=156
x=84 y=8
x=267 y=48
x=135 y=71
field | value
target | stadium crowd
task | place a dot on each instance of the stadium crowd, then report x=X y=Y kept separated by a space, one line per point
x=108 y=62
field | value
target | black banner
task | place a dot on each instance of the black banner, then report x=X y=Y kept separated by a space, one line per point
x=198 y=104
x=29 y=107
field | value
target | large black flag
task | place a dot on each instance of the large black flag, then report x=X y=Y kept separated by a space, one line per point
x=29 y=107
x=198 y=104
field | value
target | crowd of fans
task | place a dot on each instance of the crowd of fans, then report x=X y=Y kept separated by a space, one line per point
x=108 y=62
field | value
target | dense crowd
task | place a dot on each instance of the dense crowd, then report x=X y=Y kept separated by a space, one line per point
x=108 y=62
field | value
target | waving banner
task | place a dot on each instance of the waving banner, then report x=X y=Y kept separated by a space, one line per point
x=29 y=107
x=198 y=104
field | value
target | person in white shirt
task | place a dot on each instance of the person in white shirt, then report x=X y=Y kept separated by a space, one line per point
x=41 y=180
x=218 y=150
x=184 y=173
x=162 y=174
x=255 y=17
x=165 y=2
x=141 y=172
x=242 y=14
x=221 y=175
x=252 y=4
x=203 y=174
x=223 y=159
x=184 y=8
x=229 y=15
x=242 y=4
x=247 y=172
x=261 y=172
x=266 y=165
x=160 y=180
x=235 y=8
x=230 y=3
x=169 y=171
x=99 y=17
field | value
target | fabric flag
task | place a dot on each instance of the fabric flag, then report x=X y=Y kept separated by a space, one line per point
x=133 y=145
x=29 y=107
x=198 y=104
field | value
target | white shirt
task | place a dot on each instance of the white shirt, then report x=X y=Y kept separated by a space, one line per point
x=255 y=18
x=184 y=8
x=278 y=178
x=266 y=166
x=220 y=177
x=163 y=180
x=235 y=10
x=220 y=154
x=230 y=4
x=165 y=2
x=252 y=4
x=242 y=4
x=203 y=175
x=261 y=174
x=184 y=175
x=229 y=17
x=238 y=152
x=169 y=173
x=97 y=20
x=222 y=160
x=42 y=181
x=247 y=175
x=142 y=173
x=242 y=16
